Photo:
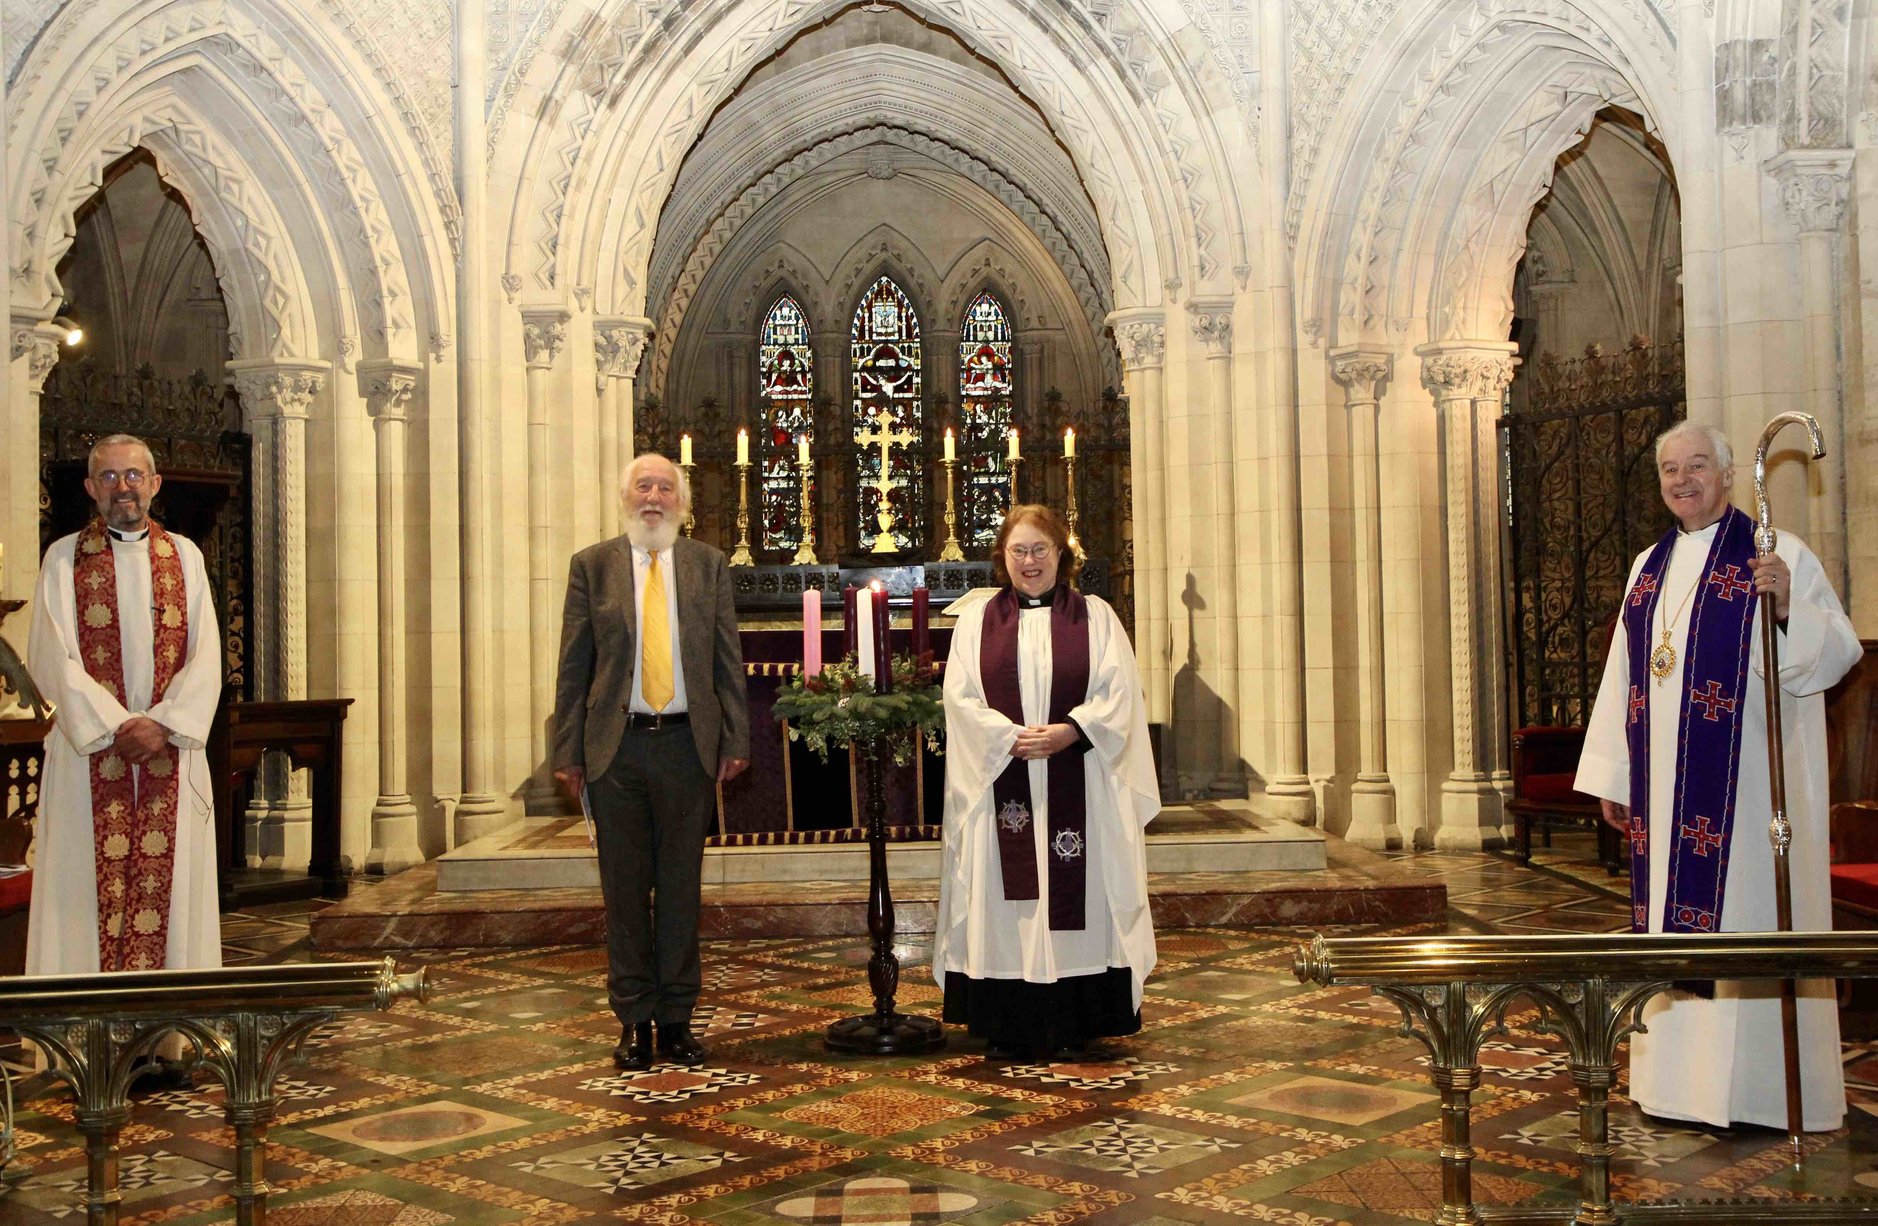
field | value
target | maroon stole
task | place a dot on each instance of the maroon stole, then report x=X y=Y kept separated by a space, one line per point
x=1709 y=720
x=1069 y=686
x=133 y=820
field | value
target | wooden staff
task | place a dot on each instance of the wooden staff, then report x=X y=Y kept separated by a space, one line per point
x=1780 y=829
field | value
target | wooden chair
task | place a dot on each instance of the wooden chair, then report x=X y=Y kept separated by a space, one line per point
x=1545 y=761
x=1855 y=864
x=21 y=756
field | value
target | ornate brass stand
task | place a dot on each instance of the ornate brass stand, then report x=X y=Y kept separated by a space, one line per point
x=951 y=552
x=1012 y=462
x=245 y=1023
x=690 y=518
x=1455 y=992
x=884 y=1032
x=741 y=555
x=14 y=679
x=805 y=552
x=1074 y=516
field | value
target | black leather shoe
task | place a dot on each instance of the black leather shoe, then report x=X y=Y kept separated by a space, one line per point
x=677 y=1044
x=634 y=1053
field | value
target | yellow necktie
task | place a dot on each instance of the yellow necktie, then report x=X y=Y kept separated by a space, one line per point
x=655 y=648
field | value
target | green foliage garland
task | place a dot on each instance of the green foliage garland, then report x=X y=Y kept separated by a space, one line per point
x=839 y=706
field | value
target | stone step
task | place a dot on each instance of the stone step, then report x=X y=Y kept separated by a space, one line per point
x=553 y=853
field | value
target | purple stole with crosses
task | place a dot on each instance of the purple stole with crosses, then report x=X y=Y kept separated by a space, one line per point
x=1708 y=733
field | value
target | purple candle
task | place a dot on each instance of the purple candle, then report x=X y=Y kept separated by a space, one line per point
x=922 y=641
x=849 y=643
x=883 y=643
x=812 y=632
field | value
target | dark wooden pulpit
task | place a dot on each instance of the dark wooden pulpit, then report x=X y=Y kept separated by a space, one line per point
x=311 y=733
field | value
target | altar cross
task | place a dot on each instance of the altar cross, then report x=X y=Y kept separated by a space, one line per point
x=886 y=438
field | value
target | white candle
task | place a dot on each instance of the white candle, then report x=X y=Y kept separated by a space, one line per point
x=950 y=455
x=743 y=446
x=802 y=450
x=1013 y=451
x=864 y=631
x=684 y=450
x=1069 y=443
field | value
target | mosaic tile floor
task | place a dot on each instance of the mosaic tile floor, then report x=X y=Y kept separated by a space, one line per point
x=1246 y=1098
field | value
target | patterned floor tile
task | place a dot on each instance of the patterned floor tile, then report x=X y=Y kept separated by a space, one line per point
x=1094 y=1075
x=669 y=1085
x=879 y=1111
x=1126 y=1148
x=877 y=1201
x=406 y=1129
x=627 y=1163
x=1339 y=1102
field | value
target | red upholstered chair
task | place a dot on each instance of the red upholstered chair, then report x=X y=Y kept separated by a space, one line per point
x=1545 y=761
x=1855 y=864
x=20 y=755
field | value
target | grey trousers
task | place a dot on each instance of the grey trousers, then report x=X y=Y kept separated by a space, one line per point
x=651 y=812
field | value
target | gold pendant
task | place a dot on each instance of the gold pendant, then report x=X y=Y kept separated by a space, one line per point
x=1662 y=659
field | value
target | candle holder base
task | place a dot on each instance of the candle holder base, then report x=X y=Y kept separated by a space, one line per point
x=902 y=1034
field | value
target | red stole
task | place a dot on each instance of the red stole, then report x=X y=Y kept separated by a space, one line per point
x=133 y=809
x=1069 y=687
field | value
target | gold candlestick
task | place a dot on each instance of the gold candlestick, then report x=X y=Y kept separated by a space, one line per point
x=690 y=518
x=741 y=555
x=805 y=554
x=951 y=552
x=1012 y=462
x=1069 y=473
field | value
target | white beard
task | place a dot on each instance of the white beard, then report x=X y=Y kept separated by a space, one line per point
x=649 y=538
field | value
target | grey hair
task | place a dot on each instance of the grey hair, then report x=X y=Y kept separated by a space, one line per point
x=1717 y=441
x=120 y=440
x=684 y=482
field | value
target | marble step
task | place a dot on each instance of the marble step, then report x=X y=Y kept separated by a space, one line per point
x=552 y=853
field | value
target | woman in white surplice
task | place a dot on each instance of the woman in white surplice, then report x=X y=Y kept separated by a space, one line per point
x=1031 y=983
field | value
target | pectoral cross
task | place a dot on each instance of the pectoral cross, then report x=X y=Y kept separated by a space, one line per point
x=886 y=438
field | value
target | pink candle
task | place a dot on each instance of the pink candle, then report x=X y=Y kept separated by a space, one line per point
x=812 y=631
x=922 y=639
x=883 y=643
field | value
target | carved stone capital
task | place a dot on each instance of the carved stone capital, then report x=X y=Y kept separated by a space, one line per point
x=1814 y=185
x=1362 y=371
x=1211 y=321
x=271 y=388
x=1478 y=371
x=387 y=385
x=39 y=345
x=440 y=343
x=544 y=333
x=1143 y=341
x=618 y=344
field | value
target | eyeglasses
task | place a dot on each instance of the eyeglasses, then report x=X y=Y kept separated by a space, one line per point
x=1037 y=552
x=111 y=478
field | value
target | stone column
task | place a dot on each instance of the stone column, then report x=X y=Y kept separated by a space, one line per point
x=1814 y=184
x=1288 y=790
x=1212 y=327
x=1468 y=381
x=1372 y=796
x=483 y=808
x=544 y=334
x=1142 y=335
x=35 y=352
x=387 y=385
x=618 y=345
x=277 y=396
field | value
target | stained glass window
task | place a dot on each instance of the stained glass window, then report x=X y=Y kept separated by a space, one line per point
x=786 y=385
x=885 y=354
x=984 y=418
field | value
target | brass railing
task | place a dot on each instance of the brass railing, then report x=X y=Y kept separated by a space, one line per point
x=243 y=1023
x=1454 y=992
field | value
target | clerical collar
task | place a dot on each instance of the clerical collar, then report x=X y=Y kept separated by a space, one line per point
x=1699 y=533
x=1034 y=602
x=128 y=537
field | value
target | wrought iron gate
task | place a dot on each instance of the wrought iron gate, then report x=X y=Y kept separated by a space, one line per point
x=1582 y=501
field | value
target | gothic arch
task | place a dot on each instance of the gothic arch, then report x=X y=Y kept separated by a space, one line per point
x=1085 y=271
x=350 y=248
x=604 y=161
x=1473 y=109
